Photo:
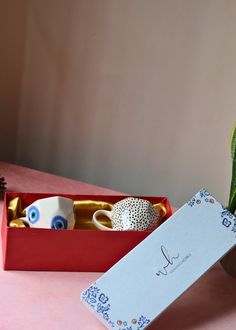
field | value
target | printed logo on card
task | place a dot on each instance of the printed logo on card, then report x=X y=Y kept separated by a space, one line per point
x=170 y=262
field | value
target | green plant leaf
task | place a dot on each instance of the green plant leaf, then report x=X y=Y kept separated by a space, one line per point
x=232 y=196
x=232 y=206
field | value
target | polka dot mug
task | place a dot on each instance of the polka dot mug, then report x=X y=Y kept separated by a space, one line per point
x=132 y=213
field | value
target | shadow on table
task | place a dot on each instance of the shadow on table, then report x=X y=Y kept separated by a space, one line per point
x=211 y=298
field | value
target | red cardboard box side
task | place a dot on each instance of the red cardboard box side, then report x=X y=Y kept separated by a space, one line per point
x=4 y=230
x=67 y=250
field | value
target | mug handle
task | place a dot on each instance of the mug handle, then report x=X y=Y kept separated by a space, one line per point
x=160 y=207
x=19 y=222
x=98 y=224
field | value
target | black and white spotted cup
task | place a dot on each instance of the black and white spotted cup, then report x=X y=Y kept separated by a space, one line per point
x=132 y=213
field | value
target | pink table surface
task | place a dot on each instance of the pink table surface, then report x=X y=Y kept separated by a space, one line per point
x=51 y=300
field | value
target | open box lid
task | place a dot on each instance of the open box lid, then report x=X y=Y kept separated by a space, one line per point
x=164 y=265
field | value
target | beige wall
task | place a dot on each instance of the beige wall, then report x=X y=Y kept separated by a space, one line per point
x=134 y=95
x=12 y=44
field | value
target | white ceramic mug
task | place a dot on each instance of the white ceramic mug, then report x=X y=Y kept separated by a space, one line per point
x=53 y=212
x=131 y=214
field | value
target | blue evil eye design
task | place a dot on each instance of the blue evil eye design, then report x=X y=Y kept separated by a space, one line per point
x=33 y=214
x=58 y=222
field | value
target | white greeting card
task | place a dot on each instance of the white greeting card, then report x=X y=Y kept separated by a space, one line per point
x=156 y=272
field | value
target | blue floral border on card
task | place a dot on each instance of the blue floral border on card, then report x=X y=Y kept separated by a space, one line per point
x=203 y=196
x=100 y=303
x=228 y=219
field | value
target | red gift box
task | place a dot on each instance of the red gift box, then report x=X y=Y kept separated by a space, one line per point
x=67 y=250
